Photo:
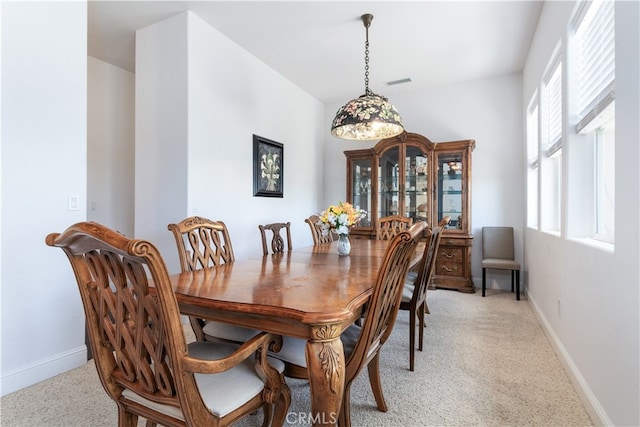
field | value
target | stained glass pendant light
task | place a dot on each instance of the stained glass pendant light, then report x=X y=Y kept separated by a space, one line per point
x=369 y=116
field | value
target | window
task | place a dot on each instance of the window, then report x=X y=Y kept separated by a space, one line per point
x=604 y=203
x=532 y=132
x=533 y=145
x=551 y=127
x=594 y=41
x=553 y=95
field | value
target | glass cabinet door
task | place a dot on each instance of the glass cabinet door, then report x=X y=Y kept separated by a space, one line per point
x=403 y=187
x=450 y=179
x=361 y=188
x=389 y=183
x=416 y=187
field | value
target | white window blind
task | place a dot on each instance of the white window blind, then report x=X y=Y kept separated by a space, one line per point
x=553 y=125
x=595 y=42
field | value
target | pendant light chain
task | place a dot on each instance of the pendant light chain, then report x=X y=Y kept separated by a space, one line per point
x=366 y=62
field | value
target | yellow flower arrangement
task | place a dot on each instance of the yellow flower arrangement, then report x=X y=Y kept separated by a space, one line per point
x=340 y=218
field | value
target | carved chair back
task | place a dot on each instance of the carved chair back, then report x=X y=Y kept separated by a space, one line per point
x=278 y=243
x=202 y=243
x=389 y=226
x=427 y=264
x=316 y=231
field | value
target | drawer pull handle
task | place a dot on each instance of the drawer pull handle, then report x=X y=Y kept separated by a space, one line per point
x=446 y=255
x=444 y=267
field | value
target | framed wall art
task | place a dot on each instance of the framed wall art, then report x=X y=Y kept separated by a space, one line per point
x=268 y=167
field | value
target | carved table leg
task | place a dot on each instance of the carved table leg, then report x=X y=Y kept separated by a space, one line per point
x=325 y=362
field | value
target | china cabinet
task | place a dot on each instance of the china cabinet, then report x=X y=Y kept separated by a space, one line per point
x=411 y=176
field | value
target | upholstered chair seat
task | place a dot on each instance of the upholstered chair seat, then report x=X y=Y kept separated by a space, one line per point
x=293 y=349
x=221 y=393
x=214 y=330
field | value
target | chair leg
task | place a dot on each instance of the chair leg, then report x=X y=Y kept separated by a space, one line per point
x=518 y=285
x=344 y=418
x=267 y=413
x=126 y=418
x=412 y=336
x=376 y=384
x=281 y=405
x=484 y=280
x=197 y=325
x=421 y=327
x=512 y=274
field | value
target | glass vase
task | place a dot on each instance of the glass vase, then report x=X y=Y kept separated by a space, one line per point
x=344 y=245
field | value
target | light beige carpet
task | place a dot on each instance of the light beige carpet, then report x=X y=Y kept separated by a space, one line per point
x=487 y=362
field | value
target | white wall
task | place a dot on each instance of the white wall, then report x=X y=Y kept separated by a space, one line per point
x=489 y=111
x=199 y=100
x=161 y=132
x=44 y=116
x=110 y=149
x=596 y=332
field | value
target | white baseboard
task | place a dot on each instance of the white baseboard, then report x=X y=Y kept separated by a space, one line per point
x=592 y=405
x=42 y=370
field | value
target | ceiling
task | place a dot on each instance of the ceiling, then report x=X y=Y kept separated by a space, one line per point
x=319 y=45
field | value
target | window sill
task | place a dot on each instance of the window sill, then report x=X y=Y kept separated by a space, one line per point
x=597 y=244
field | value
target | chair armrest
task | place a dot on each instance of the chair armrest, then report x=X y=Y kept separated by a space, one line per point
x=260 y=343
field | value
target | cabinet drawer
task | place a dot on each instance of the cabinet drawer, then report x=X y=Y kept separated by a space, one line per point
x=449 y=269
x=449 y=254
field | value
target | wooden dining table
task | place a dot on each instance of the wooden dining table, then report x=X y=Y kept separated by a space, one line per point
x=310 y=293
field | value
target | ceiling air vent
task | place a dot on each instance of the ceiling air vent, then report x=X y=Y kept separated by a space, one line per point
x=397 y=82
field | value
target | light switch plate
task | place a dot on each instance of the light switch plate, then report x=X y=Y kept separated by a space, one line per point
x=74 y=202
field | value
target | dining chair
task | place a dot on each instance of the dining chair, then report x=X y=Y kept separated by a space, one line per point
x=498 y=253
x=362 y=344
x=316 y=231
x=414 y=294
x=389 y=226
x=139 y=347
x=204 y=243
x=444 y=221
x=278 y=243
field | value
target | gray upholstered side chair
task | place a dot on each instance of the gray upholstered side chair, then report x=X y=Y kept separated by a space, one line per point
x=498 y=253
